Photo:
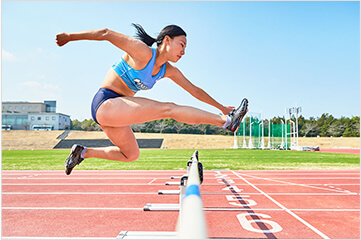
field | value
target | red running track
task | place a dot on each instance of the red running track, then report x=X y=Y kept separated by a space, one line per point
x=238 y=204
x=341 y=150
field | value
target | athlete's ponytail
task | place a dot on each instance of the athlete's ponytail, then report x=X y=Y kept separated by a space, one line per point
x=171 y=31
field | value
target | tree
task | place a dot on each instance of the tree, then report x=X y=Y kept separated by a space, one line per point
x=178 y=126
x=75 y=125
x=334 y=130
x=203 y=128
x=326 y=125
x=161 y=125
x=138 y=127
x=348 y=132
x=324 y=122
x=309 y=127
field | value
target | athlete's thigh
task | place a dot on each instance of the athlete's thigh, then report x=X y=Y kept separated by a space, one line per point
x=124 y=111
x=124 y=139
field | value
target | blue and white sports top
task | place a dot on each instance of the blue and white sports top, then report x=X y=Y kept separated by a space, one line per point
x=139 y=79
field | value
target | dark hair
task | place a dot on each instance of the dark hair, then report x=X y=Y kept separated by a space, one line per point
x=170 y=30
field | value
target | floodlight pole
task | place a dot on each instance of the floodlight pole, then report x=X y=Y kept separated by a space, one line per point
x=282 y=143
x=286 y=127
x=294 y=133
x=250 y=144
x=298 y=110
x=262 y=140
x=244 y=134
x=235 y=142
x=269 y=134
x=295 y=110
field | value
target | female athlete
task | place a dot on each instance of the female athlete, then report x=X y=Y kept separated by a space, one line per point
x=114 y=106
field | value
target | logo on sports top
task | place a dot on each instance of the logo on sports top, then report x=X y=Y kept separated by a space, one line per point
x=140 y=84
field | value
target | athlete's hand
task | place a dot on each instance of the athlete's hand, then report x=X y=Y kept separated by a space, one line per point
x=62 y=39
x=227 y=109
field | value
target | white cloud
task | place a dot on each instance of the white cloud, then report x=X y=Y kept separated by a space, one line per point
x=8 y=56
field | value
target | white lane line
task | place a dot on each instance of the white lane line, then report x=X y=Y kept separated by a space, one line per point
x=79 y=193
x=150 y=177
x=298 y=172
x=81 y=184
x=155 y=193
x=82 y=178
x=291 y=178
x=278 y=209
x=162 y=184
x=295 y=184
x=206 y=209
x=55 y=238
x=153 y=181
x=284 y=208
x=326 y=210
x=97 y=174
x=66 y=208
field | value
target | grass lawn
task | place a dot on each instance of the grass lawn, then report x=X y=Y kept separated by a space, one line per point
x=175 y=159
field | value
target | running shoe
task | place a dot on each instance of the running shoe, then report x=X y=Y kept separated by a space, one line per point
x=237 y=115
x=74 y=158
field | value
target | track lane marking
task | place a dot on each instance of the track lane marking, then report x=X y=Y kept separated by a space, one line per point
x=55 y=238
x=154 y=193
x=115 y=184
x=153 y=181
x=205 y=209
x=82 y=178
x=284 y=208
x=66 y=208
x=297 y=184
x=79 y=193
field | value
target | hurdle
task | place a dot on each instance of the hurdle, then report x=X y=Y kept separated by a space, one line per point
x=191 y=223
x=182 y=183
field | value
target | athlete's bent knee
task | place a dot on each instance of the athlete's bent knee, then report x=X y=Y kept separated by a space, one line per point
x=133 y=156
x=169 y=109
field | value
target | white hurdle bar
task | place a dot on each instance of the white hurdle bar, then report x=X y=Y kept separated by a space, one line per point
x=191 y=222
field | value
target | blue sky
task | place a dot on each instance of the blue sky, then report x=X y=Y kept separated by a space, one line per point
x=277 y=54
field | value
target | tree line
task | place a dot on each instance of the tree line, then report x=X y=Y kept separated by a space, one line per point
x=324 y=126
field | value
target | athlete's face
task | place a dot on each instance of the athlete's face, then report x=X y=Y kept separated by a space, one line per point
x=176 y=47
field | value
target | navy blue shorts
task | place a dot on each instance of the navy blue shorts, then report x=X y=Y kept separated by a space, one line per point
x=102 y=95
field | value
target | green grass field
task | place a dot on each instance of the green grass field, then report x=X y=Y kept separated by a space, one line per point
x=169 y=159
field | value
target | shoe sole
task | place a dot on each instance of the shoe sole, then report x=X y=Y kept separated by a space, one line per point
x=68 y=169
x=243 y=112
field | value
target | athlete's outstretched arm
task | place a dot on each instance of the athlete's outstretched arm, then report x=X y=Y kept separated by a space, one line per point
x=134 y=47
x=176 y=75
x=64 y=38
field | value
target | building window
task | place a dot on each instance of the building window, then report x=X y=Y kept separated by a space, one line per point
x=15 y=119
x=37 y=107
x=39 y=118
x=32 y=118
x=9 y=107
x=30 y=107
x=23 y=107
x=16 y=107
x=54 y=118
x=47 y=118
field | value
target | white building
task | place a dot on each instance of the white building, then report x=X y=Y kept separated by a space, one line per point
x=33 y=116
